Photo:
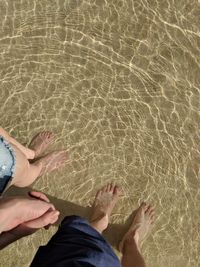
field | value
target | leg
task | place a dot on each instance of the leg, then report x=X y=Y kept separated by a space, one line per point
x=38 y=144
x=29 y=176
x=131 y=255
x=129 y=246
x=29 y=153
x=25 y=173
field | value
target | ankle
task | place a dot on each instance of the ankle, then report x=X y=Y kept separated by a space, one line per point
x=98 y=217
x=33 y=154
x=96 y=226
x=29 y=153
x=131 y=243
x=100 y=223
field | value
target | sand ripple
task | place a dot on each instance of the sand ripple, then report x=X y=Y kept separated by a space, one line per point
x=119 y=83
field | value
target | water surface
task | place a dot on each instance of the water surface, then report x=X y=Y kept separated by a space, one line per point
x=119 y=83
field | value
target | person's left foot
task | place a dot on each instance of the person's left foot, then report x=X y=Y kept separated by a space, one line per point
x=140 y=227
x=52 y=161
x=105 y=200
x=41 y=142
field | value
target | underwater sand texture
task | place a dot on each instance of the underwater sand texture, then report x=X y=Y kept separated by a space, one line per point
x=118 y=81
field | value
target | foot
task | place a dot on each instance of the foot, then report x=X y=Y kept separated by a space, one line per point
x=52 y=161
x=41 y=142
x=141 y=226
x=29 y=153
x=105 y=200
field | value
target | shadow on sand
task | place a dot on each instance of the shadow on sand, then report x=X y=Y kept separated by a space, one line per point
x=113 y=233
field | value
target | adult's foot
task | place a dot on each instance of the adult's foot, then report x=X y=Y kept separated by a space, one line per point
x=52 y=161
x=141 y=225
x=41 y=142
x=105 y=200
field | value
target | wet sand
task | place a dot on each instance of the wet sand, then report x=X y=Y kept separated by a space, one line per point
x=118 y=82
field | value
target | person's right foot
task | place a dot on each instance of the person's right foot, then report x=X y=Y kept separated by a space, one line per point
x=142 y=223
x=52 y=161
x=105 y=200
x=41 y=142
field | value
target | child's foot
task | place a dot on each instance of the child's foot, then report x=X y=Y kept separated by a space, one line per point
x=52 y=161
x=104 y=202
x=41 y=142
x=141 y=226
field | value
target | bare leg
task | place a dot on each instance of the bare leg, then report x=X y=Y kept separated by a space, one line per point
x=29 y=153
x=131 y=255
x=26 y=173
x=39 y=143
x=130 y=244
x=33 y=173
x=104 y=202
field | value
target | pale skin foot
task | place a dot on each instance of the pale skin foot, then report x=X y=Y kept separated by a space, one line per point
x=52 y=161
x=141 y=226
x=41 y=142
x=26 y=173
x=105 y=200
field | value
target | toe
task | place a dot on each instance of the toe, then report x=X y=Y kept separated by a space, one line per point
x=48 y=135
x=152 y=215
x=117 y=190
x=110 y=188
x=63 y=154
x=51 y=135
x=43 y=134
x=98 y=194
x=152 y=211
x=105 y=188
x=143 y=206
x=149 y=210
x=153 y=218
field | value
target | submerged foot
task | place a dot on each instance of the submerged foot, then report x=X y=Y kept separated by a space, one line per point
x=141 y=225
x=52 y=161
x=105 y=200
x=41 y=142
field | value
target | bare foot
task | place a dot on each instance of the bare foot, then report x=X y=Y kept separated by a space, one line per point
x=141 y=226
x=52 y=161
x=105 y=200
x=41 y=141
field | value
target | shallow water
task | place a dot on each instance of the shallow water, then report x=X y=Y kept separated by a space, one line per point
x=118 y=82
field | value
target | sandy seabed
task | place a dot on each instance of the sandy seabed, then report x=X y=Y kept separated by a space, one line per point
x=119 y=84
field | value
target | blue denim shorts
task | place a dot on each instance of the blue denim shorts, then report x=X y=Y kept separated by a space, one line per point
x=7 y=163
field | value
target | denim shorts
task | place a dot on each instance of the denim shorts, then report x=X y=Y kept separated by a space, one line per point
x=7 y=163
